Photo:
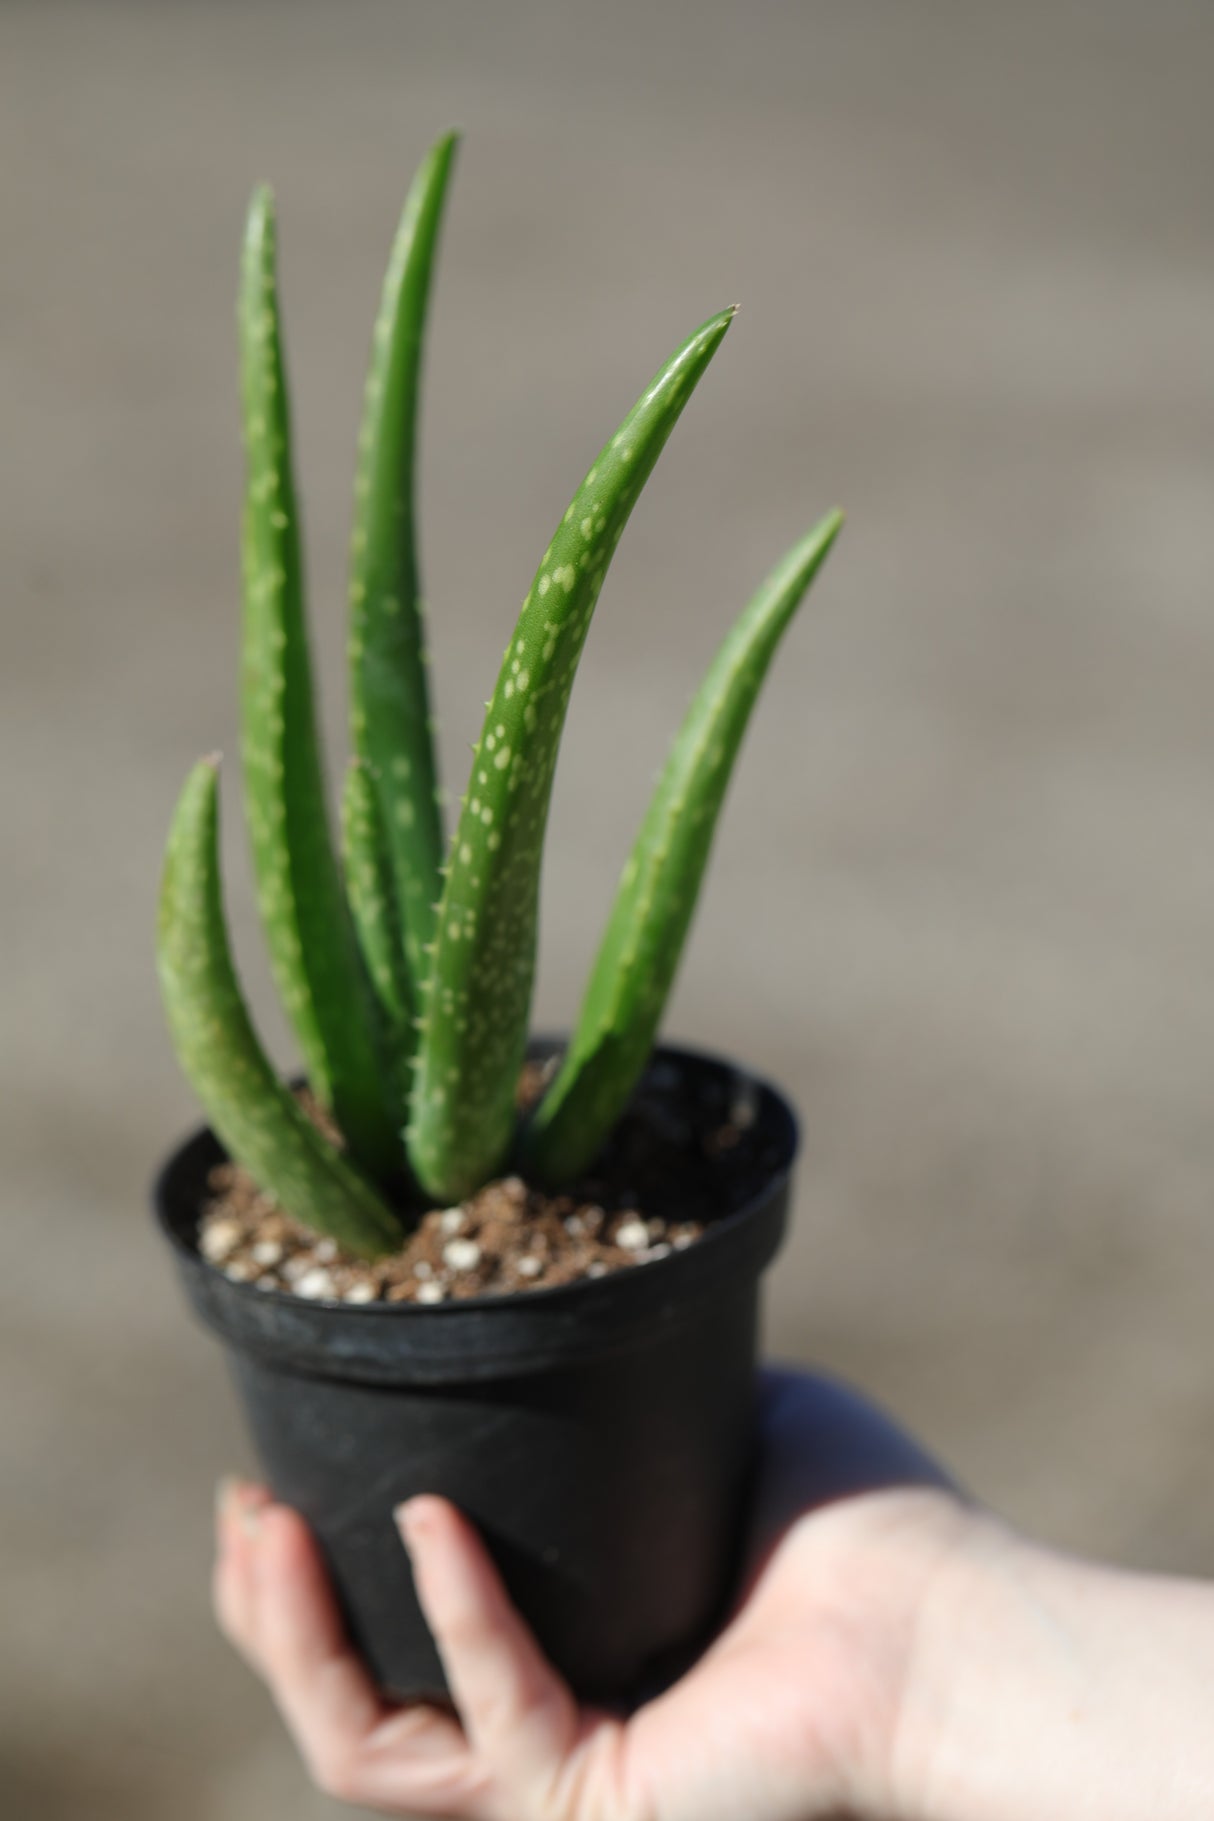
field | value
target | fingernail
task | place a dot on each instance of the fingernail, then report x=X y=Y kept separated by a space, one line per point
x=406 y=1519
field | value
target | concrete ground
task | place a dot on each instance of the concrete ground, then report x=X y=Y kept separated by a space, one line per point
x=963 y=904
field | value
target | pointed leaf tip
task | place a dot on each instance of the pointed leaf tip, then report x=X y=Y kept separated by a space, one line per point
x=261 y=210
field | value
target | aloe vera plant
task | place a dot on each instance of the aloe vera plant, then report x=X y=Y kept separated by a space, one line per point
x=406 y=965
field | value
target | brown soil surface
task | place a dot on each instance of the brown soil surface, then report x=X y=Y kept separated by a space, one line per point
x=687 y=1150
x=505 y=1238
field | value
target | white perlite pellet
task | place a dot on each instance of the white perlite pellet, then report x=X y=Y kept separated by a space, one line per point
x=529 y=1267
x=361 y=1293
x=451 y=1220
x=315 y=1284
x=633 y=1235
x=462 y=1254
x=218 y=1239
x=430 y=1293
x=267 y=1252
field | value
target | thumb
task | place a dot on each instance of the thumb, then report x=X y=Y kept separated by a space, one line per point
x=520 y=1717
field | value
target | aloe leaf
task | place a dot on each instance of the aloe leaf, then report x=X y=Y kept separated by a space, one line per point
x=478 y=993
x=311 y=940
x=371 y=891
x=648 y=926
x=389 y=694
x=252 y=1113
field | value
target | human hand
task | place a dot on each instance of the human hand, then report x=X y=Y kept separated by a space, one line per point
x=793 y=1712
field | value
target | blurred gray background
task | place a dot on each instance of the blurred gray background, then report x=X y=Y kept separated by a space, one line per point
x=963 y=899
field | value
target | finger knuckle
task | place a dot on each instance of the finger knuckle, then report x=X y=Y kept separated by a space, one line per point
x=335 y=1773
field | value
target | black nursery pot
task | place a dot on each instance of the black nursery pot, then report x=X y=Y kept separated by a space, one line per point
x=597 y=1434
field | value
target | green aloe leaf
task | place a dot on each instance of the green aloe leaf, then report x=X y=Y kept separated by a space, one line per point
x=389 y=693
x=372 y=894
x=648 y=926
x=478 y=993
x=311 y=939
x=252 y=1113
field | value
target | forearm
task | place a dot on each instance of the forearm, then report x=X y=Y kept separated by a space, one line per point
x=1047 y=1689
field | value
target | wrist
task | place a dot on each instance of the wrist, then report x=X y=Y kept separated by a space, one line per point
x=954 y=1753
x=1046 y=1687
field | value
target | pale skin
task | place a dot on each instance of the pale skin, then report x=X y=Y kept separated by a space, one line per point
x=894 y=1654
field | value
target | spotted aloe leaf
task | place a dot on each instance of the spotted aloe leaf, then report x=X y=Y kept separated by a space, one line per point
x=250 y=1110
x=371 y=890
x=389 y=693
x=657 y=896
x=311 y=940
x=478 y=993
